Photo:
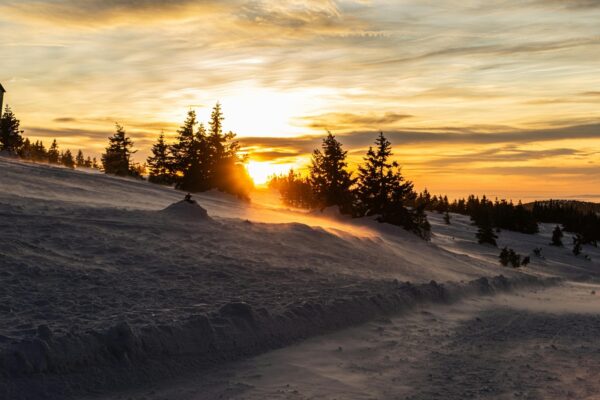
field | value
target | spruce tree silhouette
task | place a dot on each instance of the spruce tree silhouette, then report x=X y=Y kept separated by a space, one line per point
x=557 y=236
x=485 y=231
x=80 y=159
x=380 y=182
x=25 y=150
x=329 y=178
x=577 y=244
x=504 y=256
x=66 y=159
x=227 y=172
x=11 y=138
x=53 y=153
x=382 y=190
x=160 y=163
x=38 y=152
x=117 y=158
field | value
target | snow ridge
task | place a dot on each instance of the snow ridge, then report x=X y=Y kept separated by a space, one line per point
x=122 y=355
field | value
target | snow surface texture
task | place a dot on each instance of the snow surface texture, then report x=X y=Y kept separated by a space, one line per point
x=530 y=344
x=104 y=273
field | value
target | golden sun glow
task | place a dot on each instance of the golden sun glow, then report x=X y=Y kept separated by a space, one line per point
x=260 y=171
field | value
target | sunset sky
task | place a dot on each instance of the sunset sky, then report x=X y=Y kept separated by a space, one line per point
x=496 y=97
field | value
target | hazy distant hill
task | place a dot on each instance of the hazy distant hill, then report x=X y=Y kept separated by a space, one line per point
x=582 y=206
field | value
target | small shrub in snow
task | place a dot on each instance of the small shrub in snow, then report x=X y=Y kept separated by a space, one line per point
x=509 y=256
x=577 y=244
x=447 y=218
x=504 y=256
x=557 y=237
x=485 y=233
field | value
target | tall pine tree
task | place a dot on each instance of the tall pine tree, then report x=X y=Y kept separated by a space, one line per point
x=11 y=138
x=485 y=232
x=226 y=167
x=190 y=155
x=67 y=160
x=39 y=152
x=383 y=191
x=53 y=154
x=80 y=159
x=329 y=178
x=557 y=236
x=380 y=185
x=160 y=162
x=117 y=158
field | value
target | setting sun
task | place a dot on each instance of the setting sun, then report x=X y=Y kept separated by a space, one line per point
x=261 y=171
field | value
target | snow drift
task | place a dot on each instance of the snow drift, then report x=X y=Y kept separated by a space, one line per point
x=104 y=286
x=186 y=210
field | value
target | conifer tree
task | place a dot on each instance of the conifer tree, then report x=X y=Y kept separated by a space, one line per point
x=198 y=175
x=514 y=258
x=224 y=164
x=577 y=241
x=557 y=236
x=160 y=162
x=26 y=150
x=95 y=164
x=189 y=154
x=382 y=190
x=39 y=152
x=66 y=159
x=447 y=217
x=380 y=182
x=485 y=232
x=11 y=138
x=117 y=158
x=295 y=190
x=80 y=160
x=504 y=256
x=88 y=162
x=329 y=178
x=53 y=153
x=181 y=149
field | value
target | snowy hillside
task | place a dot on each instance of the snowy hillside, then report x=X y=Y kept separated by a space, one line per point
x=102 y=263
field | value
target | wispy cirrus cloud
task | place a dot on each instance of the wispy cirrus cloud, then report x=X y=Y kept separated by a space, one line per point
x=343 y=121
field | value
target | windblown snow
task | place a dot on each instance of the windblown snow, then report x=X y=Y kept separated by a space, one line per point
x=102 y=272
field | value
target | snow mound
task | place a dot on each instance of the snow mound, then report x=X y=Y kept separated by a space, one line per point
x=187 y=210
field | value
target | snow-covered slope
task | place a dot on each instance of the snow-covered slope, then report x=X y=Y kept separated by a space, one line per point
x=108 y=264
x=93 y=213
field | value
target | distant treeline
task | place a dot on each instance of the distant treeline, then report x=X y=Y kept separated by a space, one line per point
x=575 y=217
x=14 y=143
x=571 y=217
x=378 y=190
